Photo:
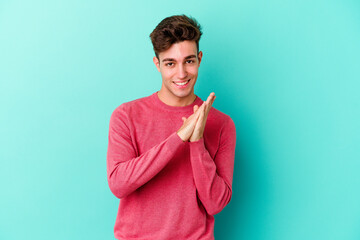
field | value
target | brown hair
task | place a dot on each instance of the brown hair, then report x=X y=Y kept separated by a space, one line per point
x=175 y=29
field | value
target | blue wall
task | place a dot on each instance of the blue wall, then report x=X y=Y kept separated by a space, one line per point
x=287 y=72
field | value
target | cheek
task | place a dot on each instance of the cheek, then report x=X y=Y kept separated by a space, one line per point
x=166 y=75
x=193 y=70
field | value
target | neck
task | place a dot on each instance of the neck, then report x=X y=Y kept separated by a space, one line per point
x=174 y=101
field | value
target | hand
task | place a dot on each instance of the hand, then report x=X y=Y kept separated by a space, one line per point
x=191 y=123
x=201 y=121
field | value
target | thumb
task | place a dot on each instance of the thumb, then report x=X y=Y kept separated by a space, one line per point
x=196 y=107
x=184 y=119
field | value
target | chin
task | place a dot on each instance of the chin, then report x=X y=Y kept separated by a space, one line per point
x=182 y=94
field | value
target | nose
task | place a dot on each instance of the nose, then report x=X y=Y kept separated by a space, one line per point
x=182 y=73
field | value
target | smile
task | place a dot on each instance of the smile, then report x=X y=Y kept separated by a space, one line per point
x=182 y=84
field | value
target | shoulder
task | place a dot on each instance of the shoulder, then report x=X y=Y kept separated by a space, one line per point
x=220 y=118
x=224 y=125
x=133 y=106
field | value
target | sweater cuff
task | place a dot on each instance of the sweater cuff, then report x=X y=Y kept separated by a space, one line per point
x=176 y=138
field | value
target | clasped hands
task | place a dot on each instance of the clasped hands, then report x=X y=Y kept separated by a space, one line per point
x=193 y=127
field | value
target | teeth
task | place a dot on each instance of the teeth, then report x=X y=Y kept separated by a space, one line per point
x=181 y=84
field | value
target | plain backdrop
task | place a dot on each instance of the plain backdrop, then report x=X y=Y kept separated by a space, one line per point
x=287 y=72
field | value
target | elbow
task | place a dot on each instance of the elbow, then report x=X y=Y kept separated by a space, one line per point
x=118 y=192
x=214 y=207
x=117 y=185
x=213 y=210
x=119 y=188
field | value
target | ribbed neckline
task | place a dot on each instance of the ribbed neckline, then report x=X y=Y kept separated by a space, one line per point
x=164 y=106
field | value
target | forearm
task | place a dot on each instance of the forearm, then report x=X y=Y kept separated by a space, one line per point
x=214 y=191
x=126 y=175
x=213 y=174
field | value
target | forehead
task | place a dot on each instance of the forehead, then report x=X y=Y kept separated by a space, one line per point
x=180 y=50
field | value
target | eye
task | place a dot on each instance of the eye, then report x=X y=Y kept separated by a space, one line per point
x=169 y=64
x=190 y=61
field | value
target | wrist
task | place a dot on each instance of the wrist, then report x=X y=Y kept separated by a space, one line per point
x=195 y=139
x=182 y=137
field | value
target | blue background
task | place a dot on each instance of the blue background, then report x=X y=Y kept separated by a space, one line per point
x=287 y=72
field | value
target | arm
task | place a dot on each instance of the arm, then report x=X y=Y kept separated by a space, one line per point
x=213 y=177
x=125 y=170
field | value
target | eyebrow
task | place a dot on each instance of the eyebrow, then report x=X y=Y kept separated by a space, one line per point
x=173 y=60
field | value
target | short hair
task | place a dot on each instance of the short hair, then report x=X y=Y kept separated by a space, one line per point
x=175 y=29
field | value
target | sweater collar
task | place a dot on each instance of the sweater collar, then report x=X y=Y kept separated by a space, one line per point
x=164 y=106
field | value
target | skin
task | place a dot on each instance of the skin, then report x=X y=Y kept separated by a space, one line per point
x=178 y=64
x=193 y=127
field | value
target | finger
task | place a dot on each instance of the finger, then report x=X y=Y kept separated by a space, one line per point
x=202 y=105
x=202 y=116
x=200 y=108
x=201 y=112
x=209 y=97
x=212 y=95
x=183 y=118
x=209 y=106
x=195 y=115
x=212 y=100
x=206 y=106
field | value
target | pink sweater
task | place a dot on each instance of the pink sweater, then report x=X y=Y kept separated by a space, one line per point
x=168 y=189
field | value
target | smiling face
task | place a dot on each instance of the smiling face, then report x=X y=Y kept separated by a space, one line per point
x=179 y=70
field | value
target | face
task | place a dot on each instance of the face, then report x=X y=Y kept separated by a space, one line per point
x=179 y=70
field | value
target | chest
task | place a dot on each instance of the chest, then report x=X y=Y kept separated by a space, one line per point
x=151 y=129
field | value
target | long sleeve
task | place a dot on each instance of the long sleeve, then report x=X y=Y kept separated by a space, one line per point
x=213 y=177
x=125 y=170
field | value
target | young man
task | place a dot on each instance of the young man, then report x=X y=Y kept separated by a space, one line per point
x=171 y=155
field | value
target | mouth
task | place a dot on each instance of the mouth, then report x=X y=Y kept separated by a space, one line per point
x=182 y=84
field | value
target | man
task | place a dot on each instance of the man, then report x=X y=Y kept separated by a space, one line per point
x=171 y=155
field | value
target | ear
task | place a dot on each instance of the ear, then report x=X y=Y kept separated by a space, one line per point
x=157 y=63
x=200 y=57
